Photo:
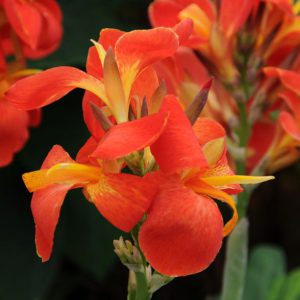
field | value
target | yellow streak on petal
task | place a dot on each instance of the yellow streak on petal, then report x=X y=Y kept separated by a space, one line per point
x=100 y=50
x=202 y=188
x=213 y=150
x=63 y=173
x=235 y=179
x=202 y=24
x=296 y=8
x=128 y=76
x=114 y=88
x=92 y=85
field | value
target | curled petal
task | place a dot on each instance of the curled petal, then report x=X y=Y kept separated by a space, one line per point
x=183 y=231
x=46 y=204
x=202 y=188
x=128 y=137
x=48 y=86
x=207 y=129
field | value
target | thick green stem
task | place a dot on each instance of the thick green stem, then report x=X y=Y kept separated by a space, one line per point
x=236 y=263
x=142 y=292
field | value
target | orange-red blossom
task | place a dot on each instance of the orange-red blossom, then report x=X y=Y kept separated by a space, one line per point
x=183 y=228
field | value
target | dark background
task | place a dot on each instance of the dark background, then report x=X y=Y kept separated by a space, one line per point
x=83 y=265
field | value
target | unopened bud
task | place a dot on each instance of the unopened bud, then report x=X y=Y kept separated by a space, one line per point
x=129 y=255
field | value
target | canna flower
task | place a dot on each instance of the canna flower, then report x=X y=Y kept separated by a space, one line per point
x=117 y=69
x=122 y=199
x=33 y=28
x=184 y=228
x=214 y=31
x=14 y=123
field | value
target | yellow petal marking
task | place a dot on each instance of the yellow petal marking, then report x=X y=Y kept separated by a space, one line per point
x=202 y=188
x=100 y=50
x=213 y=150
x=202 y=24
x=63 y=173
x=114 y=88
x=235 y=179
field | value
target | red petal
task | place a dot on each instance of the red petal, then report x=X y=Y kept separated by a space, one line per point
x=262 y=137
x=128 y=137
x=35 y=117
x=207 y=130
x=177 y=148
x=284 y=5
x=46 y=87
x=122 y=199
x=109 y=37
x=183 y=231
x=46 y=205
x=86 y=150
x=292 y=100
x=25 y=19
x=145 y=84
x=289 y=79
x=233 y=14
x=141 y=48
x=13 y=131
x=164 y=13
x=290 y=125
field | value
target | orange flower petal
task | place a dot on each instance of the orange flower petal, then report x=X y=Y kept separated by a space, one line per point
x=292 y=100
x=203 y=188
x=233 y=14
x=122 y=199
x=46 y=204
x=164 y=13
x=207 y=130
x=128 y=137
x=183 y=231
x=46 y=87
x=290 y=125
x=25 y=19
x=138 y=49
x=13 y=131
x=177 y=148
x=260 y=142
x=289 y=79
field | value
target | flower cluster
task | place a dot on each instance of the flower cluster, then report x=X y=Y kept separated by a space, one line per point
x=28 y=30
x=178 y=159
x=252 y=50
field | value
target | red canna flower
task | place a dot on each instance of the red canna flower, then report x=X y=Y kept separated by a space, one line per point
x=37 y=26
x=184 y=228
x=117 y=67
x=213 y=31
x=121 y=198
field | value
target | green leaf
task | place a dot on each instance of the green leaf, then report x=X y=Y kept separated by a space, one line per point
x=266 y=264
x=287 y=288
x=236 y=262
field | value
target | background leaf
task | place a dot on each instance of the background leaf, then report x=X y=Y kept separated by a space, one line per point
x=266 y=264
